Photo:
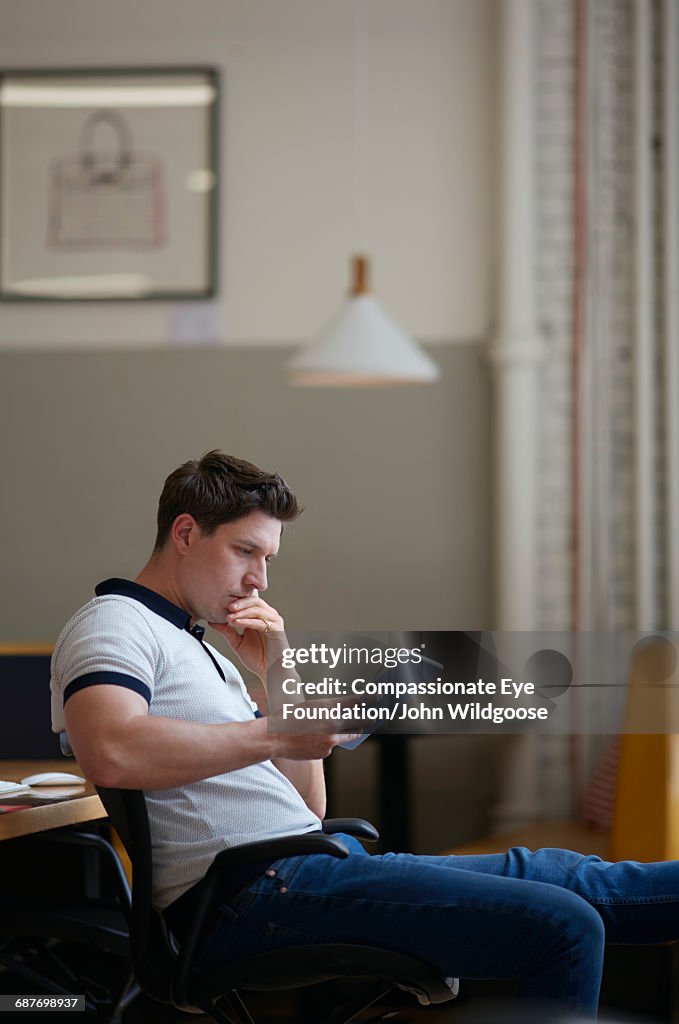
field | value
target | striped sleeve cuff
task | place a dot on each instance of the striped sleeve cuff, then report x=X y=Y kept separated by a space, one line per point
x=112 y=678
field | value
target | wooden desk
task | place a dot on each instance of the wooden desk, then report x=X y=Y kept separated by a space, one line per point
x=73 y=810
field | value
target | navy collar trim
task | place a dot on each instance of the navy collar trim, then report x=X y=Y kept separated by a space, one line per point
x=155 y=602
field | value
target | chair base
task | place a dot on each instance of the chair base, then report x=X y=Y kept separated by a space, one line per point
x=41 y=963
x=230 y=1008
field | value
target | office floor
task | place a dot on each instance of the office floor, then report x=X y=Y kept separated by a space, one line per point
x=307 y=1007
x=281 y=1014
x=639 y=988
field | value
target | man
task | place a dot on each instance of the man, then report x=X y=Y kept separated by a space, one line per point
x=149 y=705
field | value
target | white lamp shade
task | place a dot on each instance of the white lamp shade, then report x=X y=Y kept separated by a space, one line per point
x=362 y=348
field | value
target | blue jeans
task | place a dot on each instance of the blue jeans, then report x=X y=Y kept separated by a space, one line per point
x=542 y=917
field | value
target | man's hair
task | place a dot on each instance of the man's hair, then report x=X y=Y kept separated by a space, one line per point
x=218 y=489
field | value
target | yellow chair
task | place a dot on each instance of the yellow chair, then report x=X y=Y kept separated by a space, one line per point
x=646 y=818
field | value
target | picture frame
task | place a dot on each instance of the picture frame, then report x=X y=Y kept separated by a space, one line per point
x=108 y=184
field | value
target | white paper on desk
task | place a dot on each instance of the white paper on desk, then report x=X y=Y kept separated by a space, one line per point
x=10 y=788
x=38 y=796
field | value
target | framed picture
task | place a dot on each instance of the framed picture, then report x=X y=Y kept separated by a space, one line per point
x=108 y=184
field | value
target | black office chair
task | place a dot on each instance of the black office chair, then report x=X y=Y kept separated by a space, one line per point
x=172 y=977
x=36 y=930
x=65 y=898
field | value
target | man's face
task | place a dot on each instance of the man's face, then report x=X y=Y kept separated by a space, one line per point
x=232 y=562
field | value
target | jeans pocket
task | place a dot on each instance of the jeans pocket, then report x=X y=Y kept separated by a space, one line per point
x=278 y=875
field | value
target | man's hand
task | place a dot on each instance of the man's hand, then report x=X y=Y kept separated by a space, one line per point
x=307 y=746
x=299 y=757
x=261 y=624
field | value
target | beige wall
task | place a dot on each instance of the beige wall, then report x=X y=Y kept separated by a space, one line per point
x=395 y=483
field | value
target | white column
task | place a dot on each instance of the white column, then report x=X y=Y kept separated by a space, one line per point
x=671 y=289
x=644 y=355
x=514 y=355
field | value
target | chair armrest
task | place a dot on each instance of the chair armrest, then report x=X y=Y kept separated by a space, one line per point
x=353 y=827
x=236 y=856
x=273 y=849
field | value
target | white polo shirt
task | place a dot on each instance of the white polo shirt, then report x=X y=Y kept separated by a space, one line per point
x=130 y=636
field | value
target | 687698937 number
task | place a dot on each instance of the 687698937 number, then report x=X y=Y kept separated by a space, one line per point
x=34 y=1002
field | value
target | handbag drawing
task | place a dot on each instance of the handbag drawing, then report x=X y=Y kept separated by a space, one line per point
x=106 y=198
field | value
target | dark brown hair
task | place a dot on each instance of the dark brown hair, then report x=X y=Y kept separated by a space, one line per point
x=218 y=489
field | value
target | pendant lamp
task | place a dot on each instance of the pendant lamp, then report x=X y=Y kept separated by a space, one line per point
x=363 y=347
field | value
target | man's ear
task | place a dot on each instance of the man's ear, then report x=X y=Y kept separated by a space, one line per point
x=184 y=531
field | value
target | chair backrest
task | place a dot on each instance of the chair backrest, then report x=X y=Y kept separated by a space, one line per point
x=152 y=955
x=25 y=724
